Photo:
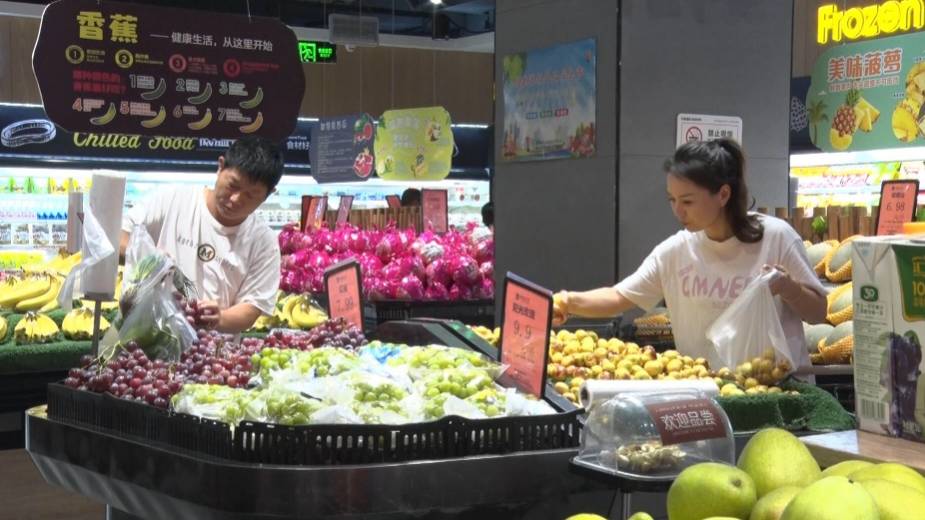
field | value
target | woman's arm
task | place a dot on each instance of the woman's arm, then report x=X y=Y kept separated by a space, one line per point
x=809 y=305
x=605 y=302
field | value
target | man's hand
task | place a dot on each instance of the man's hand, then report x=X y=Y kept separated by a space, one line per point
x=209 y=314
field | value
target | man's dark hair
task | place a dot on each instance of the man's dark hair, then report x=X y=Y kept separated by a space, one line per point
x=257 y=158
x=488 y=214
x=411 y=197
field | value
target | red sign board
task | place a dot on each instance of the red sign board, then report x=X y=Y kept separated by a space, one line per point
x=129 y=68
x=313 y=211
x=897 y=205
x=342 y=283
x=394 y=201
x=343 y=211
x=525 y=323
x=687 y=420
x=434 y=210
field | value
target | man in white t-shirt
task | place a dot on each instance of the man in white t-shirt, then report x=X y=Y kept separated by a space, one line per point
x=230 y=254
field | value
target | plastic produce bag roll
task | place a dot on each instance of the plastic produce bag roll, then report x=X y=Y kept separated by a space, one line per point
x=107 y=196
x=597 y=391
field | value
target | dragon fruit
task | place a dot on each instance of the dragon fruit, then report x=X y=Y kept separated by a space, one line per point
x=410 y=288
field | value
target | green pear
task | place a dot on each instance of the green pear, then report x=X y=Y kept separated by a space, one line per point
x=721 y=518
x=896 y=501
x=845 y=468
x=586 y=516
x=711 y=489
x=641 y=516
x=772 y=505
x=775 y=458
x=832 y=498
x=892 y=472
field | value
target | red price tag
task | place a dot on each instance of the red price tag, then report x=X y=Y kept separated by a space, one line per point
x=305 y=215
x=434 y=209
x=342 y=283
x=897 y=205
x=687 y=420
x=314 y=215
x=343 y=211
x=525 y=324
x=394 y=201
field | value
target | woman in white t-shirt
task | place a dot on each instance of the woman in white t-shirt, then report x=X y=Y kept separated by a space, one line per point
x=701 y=269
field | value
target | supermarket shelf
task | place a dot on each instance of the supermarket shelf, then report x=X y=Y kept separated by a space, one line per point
x=831 y=448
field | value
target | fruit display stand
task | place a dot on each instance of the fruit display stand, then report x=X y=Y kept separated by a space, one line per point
x=149 y=463
x=831 y=448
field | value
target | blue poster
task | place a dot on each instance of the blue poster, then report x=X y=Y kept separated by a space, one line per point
x=342 y=148
x=550 y=102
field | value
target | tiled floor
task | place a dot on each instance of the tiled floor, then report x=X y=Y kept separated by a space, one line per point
x=25 y=495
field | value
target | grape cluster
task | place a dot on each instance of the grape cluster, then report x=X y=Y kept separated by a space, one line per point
x=290 y=408
x=325 y=361
x=215 y=359
x=130 y=374
x=335 y=332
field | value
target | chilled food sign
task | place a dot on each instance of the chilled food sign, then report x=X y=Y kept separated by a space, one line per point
x=139 y=69
x=869 y=95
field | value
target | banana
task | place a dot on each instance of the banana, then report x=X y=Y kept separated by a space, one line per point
x=4 y=328
x=151 y=95
x=34 y=304
x=78 y=324
x=202 y=97
x=202 y=123
x=53 y=305
x=29 y=288
x=157 y=120
x=264 y=323
x=254 y=126
x=35 y=328
x=306 y=316
x=254 y=101
x=106 y=118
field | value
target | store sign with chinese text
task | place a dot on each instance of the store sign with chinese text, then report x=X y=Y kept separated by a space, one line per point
x=140 y=69
x=701 y=127
x=526 y=319
x=869 y=95
x=869 y=21
x=317 y=52
x=687 y=420
x=550 y=102
x=342 y=148
x=414 y=144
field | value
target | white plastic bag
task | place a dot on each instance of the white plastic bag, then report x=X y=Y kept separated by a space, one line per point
x=96 y=248
x=750 y=328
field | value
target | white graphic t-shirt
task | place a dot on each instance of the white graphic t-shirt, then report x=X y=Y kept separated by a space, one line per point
x=699 y=278
x=230 y=265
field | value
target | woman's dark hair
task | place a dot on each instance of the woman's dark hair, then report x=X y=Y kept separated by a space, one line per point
x=711 y=165
x=411 y=197
x=488 y=214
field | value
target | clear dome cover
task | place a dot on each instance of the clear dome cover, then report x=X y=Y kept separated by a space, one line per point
x=654 y=436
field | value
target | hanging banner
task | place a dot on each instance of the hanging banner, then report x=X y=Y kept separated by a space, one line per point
x=142 y=69
x=550 y=102
x=342 y=149
x=415 y=144
x=869 y=95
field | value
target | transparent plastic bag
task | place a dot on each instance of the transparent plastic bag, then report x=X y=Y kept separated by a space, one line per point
x=96 y=248
x=149 y=311
x=749 y=333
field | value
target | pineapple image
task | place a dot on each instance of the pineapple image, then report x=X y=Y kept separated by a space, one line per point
x=845 y=122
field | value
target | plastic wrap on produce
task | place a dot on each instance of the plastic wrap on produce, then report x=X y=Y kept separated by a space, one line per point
x=596 y=391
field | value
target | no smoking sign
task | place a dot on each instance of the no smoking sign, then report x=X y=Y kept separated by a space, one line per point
x=700 y=127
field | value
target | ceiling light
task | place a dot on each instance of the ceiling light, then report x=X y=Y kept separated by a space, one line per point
x=436 y=2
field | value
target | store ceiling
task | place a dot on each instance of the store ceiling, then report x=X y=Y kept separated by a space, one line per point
x=452 y=19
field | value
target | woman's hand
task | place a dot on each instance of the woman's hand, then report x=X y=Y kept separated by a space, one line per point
x=783 y=285
x=560 y=312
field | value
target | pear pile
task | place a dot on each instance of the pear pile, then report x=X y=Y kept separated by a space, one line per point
x=492 y=336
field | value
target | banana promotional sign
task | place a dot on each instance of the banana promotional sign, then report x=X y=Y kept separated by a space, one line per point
x=124 y=68
x=869 y=95
x=414 y=144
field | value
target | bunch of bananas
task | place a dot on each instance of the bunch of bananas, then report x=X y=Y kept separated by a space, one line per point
x=78 y=324
x=4 y=328
x=61 y=264
x=108 y=306
x=489 y=335
x=263 y=324
x=296 y=311
x=31 y=292
x=35 y=328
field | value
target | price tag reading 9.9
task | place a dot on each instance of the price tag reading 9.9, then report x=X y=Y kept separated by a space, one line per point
x=525 y=334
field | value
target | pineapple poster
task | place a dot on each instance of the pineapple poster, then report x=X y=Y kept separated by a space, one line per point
x=869 y=95
x=550 y=102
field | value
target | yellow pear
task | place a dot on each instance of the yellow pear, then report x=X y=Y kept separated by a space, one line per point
x=896 y=501
x=892 y=472
x=710 y=489
x=641 y=516
x=586 y=516
x=772 y=505
x=832 y=498
x=775 y=458
x=846 y=468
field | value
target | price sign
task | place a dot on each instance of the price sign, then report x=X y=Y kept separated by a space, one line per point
x=342 y=283
x=526 y=319
x=897 y=205
x=687 y=420
x=305 y=212
x=394 y=201
x=343 y=211
x=434 y=210
x=313 y=214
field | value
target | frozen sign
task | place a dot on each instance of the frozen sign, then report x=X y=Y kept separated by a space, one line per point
x=701 y=127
